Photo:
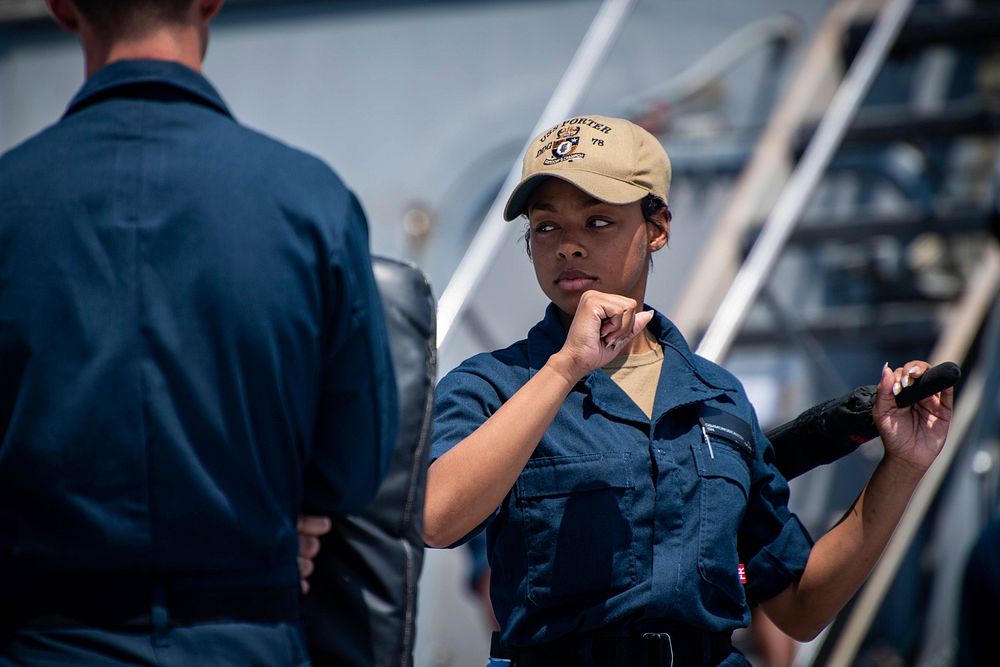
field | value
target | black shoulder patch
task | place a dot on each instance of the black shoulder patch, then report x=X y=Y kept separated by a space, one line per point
x=730 y=428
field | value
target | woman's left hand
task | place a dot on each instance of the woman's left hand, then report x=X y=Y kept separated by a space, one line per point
x=916 y=434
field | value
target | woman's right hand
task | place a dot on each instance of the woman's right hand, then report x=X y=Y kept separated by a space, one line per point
x=603 y=326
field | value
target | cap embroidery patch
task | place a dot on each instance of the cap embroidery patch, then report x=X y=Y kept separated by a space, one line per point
x=565 y=145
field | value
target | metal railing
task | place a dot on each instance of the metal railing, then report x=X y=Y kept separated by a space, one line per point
x=781 y=30
x=958 y=339
x=788 y=209
x=955 y=344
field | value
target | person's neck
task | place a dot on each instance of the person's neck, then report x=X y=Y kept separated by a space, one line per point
x=644 y=342
x=182 y=45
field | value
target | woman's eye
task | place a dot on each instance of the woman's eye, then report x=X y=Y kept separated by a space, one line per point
x=543 y=227
x=599 y=222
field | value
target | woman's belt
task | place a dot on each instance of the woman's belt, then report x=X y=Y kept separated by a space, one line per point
x=673 y=647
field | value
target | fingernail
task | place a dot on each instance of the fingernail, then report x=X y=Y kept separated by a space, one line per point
x=912 y=369
x=608 y=343
x=906 y=381
x=896 y=389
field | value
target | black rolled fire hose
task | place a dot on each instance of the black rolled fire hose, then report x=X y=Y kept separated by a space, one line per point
x=828 y=431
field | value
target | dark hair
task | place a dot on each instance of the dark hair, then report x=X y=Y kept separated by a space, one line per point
x=651 y=205
x=122 y=17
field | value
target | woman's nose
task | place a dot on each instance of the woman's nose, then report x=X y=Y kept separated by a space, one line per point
x=570 y=247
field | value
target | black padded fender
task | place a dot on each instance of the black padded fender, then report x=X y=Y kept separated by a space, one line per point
x=361 y=608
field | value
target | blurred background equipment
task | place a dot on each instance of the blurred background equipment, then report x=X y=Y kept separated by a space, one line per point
x=891 y=255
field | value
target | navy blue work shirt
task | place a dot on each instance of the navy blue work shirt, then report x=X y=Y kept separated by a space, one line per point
x=618 y=519
x=191 y=344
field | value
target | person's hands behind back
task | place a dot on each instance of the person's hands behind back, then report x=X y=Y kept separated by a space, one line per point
x=310 y=529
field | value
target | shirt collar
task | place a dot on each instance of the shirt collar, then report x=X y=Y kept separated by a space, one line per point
x=110 y=79
x=684 y=379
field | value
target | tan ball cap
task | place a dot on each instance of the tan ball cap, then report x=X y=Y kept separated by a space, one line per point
x=611 y=159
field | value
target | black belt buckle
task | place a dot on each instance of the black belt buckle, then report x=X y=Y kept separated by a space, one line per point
x=659 y=649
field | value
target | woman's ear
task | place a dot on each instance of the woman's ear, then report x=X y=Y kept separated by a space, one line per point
x=658 y=229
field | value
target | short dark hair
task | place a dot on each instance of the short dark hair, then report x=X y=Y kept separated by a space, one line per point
x=121 y=17
x=651 y=205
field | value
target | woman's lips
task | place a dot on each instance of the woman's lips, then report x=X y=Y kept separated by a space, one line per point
x=573 y=281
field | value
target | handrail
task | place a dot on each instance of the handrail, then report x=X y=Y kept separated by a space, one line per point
x=788 y=209
x=479 y=256
x=731 y=51
x=810 y=85
x=965 y=323
x=984 y=285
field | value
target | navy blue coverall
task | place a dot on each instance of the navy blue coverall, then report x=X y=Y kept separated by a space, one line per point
x=192 y=352
x=622 y=524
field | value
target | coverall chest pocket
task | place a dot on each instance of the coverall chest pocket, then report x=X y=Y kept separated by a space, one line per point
x=577 y=513
x=724 y=481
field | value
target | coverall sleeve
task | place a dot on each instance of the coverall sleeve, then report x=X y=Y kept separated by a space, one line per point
x=463 y=401
x=357 y=414
x=773 y=543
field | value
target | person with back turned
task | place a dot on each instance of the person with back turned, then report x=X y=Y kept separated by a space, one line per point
x=192 y=353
